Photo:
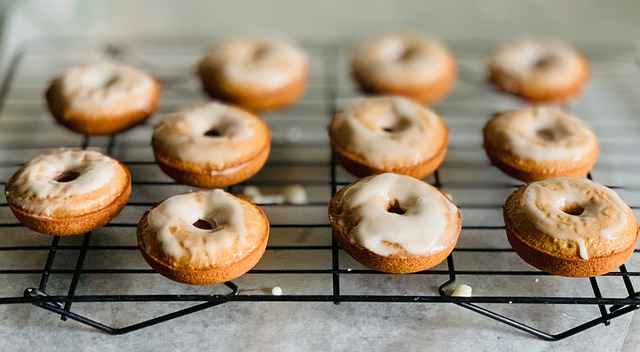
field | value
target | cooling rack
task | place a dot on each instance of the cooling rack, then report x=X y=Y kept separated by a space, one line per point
x=55 y=273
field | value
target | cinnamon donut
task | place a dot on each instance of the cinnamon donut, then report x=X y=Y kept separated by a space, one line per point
x=203 y=237
x=407 y=64
x=388 y=134
x=68 y=191
x=539 y=70
x=211 y=146
x=537 y=143
x=570 y=226
x=395 y=223
x=102 y=98
x=258 y=74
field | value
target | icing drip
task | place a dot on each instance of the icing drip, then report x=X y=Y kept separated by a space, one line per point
x=389 y=130
x=173 y=221
x=216 y=134
x=543 y=134
x=398 y=213
x=575 y=209
x=266 y=63
x=38 y=186
x=403 y=58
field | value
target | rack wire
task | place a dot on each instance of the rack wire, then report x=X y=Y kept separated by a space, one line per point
x=298 y=159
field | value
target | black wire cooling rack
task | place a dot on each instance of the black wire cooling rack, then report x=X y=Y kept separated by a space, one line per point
x=324 y=96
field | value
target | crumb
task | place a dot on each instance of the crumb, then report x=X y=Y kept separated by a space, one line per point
x=462 y=291
x=537 y=280
x=276 y=291
x=295 y=194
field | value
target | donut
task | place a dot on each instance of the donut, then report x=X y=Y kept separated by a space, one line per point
x=533 y=144
x=258 y=74
x=203 y=237
x=539 y=70
x=102 y=98
x=388 y=134
x=570 y=226
x=406 y=64
x=68 y=192
x=211 y=146
x=394 y=223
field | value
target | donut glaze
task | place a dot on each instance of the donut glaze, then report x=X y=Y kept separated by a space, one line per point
x=395 y=223
x=68 y=191
x=537 y=143
x=407 y=64
x=255 y=73
x=570 y=226
x=388 y=134
x=174 y=241
x=102 y=98
x=539 y=70
x=213 y=145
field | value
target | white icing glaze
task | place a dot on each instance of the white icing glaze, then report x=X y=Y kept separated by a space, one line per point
x=107 y=87
x=543 y=134
x=421 y=230
x=409 y=136
x=603 y=215
x=260 y=62
x=405 y=58
x=35 y=187
x=519 y=60
x=295 y=194
x=172 y=222
x=182 y=135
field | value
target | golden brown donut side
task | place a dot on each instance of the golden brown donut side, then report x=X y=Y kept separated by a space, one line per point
x=554 y=256
x=248 y=97
x=359 y=167
x=424 y=93
x=397 y=263
x=538 y=94
x=88 y=124
x=197 y=276
x=75 y=225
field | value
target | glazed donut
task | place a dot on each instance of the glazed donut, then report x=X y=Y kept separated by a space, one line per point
x=539 y=71
x=68 y=191
x=258 y=74
x=405 y=64
x=395 y=223
x=537 y=143
x=203 y=237
x=211 y=146
x=102 y=98
x=388 y=134
x=570 y=226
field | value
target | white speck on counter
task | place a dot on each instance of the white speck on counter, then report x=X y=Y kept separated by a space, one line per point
x=537 y=280
x=276 y=291
x=462 y=291
x=295 y=194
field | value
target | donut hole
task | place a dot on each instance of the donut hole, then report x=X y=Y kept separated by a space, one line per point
x=394 y=207
x=204 y=224
x=67 y=176
x=407 y=53
x=547 y=134
x=260 y=52
x=396 y=126
x=213 y=132
x=573 y=209
x=543 y=62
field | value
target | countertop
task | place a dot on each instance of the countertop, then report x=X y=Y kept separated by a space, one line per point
x=609 y=105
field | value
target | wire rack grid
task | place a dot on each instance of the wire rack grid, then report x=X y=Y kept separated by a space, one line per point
x=54 y=273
